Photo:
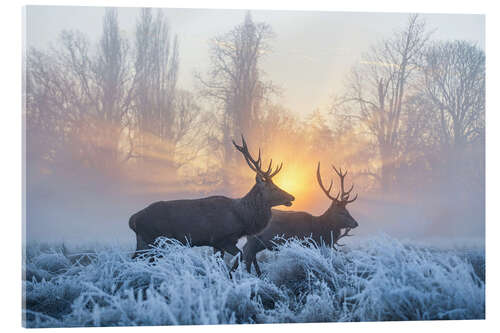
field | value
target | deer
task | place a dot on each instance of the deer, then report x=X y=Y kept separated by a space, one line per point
x=326 y=228
x=215 y=221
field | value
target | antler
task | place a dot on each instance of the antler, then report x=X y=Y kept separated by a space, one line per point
x=344 y=195
x=256 y=165
x=320 y=182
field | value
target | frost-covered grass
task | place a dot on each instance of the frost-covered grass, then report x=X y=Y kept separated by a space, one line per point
x=377 y=279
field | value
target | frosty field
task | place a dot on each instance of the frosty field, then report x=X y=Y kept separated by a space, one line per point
x=374 y=279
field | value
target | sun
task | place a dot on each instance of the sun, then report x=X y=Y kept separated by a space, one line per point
x=290 y=183
x=296 y=182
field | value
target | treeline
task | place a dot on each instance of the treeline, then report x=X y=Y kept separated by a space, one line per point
x=103 y=107
x=411 y=116
x=421 y=106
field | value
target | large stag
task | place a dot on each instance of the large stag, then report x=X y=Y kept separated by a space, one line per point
x=288 y=224
x=215 y=221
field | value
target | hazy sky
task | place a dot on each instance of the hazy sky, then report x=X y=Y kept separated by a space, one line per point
x=312 y=51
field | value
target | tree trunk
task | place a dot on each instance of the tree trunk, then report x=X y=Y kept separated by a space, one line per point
x=387 y=167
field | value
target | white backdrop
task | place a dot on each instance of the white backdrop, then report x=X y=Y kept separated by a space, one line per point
x=11 y=156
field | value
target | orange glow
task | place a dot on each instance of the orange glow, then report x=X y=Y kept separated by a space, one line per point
x=297 y=181
x=156 y=172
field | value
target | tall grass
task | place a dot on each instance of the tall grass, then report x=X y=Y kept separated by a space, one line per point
x=378 y=279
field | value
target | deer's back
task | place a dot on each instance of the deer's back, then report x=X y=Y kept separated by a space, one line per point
x=285 y=224
x=202 y=221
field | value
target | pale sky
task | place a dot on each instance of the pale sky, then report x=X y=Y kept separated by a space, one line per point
x=312 y=51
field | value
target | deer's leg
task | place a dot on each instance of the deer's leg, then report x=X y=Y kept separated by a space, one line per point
x=249 y=253
x=234 y=250
x=253 y=246
x=236 y=264
x=250 y=259
x=248 y=262
x=141 y=246
x=256 y=265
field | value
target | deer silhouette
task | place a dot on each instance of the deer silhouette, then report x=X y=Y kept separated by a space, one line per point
x=326 y=228
x=215 y=221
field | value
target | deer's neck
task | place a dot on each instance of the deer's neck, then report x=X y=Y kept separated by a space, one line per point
x=328 y=225
x=324 y=218
x=254 y=211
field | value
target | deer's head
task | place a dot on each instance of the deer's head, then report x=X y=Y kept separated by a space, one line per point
x=337 y=214
x=270 y=193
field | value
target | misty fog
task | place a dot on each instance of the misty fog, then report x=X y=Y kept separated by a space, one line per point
x=111 y=126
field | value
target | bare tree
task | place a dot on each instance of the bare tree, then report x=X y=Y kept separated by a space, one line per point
x=377 y=90
x=44 y=132
x=99 y=108
x=156 y=69
x=275 y=123
x=61 y=93
x=455 y=83
x=419 y=156
x=80 y=98
x=114 y=89
x=235 y=80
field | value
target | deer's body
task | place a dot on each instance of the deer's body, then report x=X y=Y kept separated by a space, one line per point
x=289 y=224
x=215 y=221
x=325 y=228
